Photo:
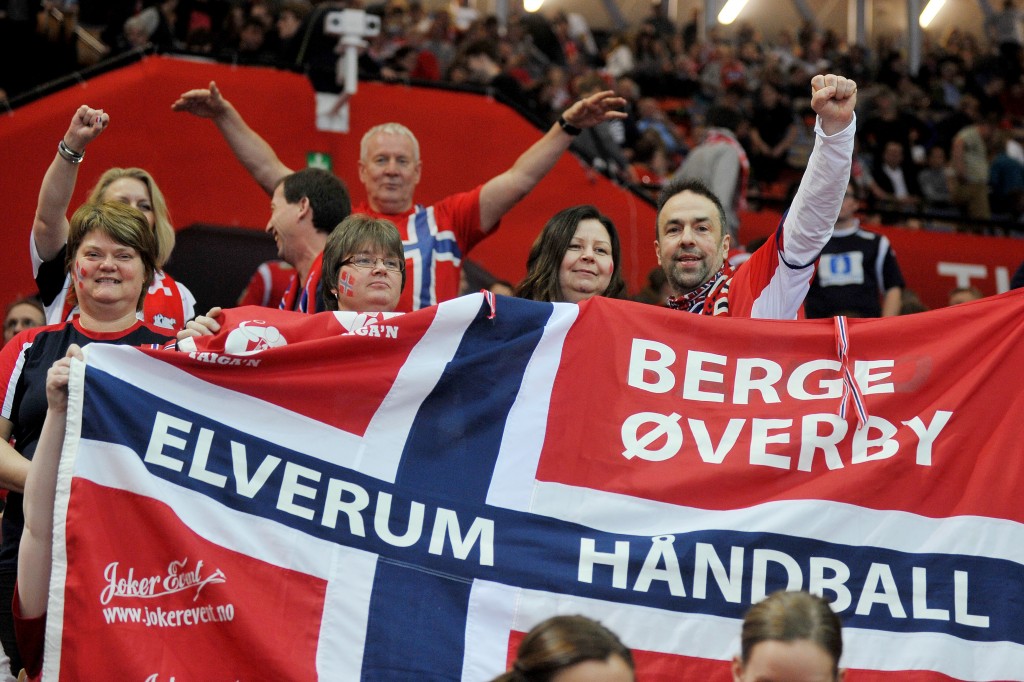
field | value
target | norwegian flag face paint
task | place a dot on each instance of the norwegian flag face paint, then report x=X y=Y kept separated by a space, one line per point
x=347 y=284
x=374 y=289
x=81 y=273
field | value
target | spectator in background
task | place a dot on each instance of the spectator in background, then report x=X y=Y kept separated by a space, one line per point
x=857 y=274
x=970 y=163
x=790 y=636
x=598 y=144
x=890 y=123
x=721 y=162
x=570 y=648
x=772 y=133
x=1005 y=178
x=893 y=181
x=484 y=63
x=290 y=21
x=23 y=313
x=652 y=117
x=1006 y=31
x=964 y=295
x=650 y=165
x=934 y=180
x=251 y=43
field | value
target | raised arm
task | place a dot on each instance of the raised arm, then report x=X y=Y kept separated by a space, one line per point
x=249 y=148
x=50 y=227
x=503 y=191
x=815 y=209
x=34 y=555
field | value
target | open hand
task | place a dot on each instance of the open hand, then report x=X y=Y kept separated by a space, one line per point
x=599 y=107
x=205 y=103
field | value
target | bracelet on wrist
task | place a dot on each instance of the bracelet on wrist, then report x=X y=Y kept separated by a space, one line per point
x=568 y=127
x=69 y=154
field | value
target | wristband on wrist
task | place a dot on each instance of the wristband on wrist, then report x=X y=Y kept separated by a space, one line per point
x=69 y=154
x=568 y=127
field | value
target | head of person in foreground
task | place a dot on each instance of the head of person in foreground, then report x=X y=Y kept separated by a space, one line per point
x=571 y=649
x=793 y=636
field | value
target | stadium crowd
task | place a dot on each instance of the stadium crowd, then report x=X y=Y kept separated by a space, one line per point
x=943 y=142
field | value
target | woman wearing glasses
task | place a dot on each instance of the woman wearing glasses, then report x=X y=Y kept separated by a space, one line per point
x=364 y=265
x=363 y=272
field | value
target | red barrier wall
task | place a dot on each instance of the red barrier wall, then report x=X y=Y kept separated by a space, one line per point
x=465 y=139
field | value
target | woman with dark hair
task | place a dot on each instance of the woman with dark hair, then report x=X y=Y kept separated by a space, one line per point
x=790 y=636
x=571 y=649
x=575 y=258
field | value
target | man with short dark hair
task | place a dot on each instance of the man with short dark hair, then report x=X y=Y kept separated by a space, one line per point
x=692 y=242
x=305 y=207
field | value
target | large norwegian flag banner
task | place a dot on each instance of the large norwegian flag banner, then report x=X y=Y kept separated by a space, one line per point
x=401 y=497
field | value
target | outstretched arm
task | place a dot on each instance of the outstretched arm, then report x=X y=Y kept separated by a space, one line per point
x=34 y=554
x=50 y=227
x=502 y=192
x=817 y=202
x=256 y=155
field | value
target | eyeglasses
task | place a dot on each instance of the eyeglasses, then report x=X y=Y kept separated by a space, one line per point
x=368 y=263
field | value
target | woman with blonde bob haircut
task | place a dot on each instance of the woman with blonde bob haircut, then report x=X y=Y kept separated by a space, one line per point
x=793 y=636
x=168 y=304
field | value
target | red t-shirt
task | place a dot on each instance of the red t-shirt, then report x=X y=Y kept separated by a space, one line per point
x=435 y=239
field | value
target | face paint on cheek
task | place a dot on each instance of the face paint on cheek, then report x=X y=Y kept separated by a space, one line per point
x=80 y=273
x=347 y=284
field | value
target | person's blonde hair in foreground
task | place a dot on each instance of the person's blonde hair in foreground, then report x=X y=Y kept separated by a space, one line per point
x=570 y=649
x=792 y=636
